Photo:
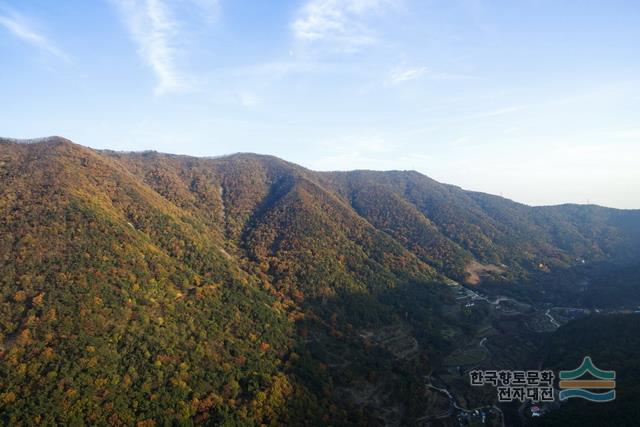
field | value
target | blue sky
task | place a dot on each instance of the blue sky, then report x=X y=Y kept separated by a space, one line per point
x=537 y=100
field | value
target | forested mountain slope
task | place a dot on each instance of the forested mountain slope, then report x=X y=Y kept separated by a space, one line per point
x=444 y=226
x=246 y=289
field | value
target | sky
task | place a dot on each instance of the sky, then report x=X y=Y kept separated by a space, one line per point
x=534 y=100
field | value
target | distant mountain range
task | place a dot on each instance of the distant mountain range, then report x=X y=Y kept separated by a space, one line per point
x=145 y=286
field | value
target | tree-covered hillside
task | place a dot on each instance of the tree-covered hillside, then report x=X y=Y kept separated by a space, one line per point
x=245 y=290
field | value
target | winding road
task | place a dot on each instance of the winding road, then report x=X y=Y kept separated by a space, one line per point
x=454 y=403
x=553 y=321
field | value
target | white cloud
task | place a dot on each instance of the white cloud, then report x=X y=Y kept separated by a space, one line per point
x=153 y=30
x=451 y=76
x=280 y=69
x=404 y=74
x=18 y=26
x=249 y=99
x=493 y=113
x=340 y=25
x=462 y=140
x=159 y=35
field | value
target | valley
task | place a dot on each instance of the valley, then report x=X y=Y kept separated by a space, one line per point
x=534 y=324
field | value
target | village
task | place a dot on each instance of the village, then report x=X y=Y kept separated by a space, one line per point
x=501 y=319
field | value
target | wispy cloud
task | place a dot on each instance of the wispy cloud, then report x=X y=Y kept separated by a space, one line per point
x=404 y=74
x=451 y=76
x=338 y=25
x=280 y=69
x=493 y=113
x=248 y=99
x=153 y=30
x=17 y=25
x=158 y=33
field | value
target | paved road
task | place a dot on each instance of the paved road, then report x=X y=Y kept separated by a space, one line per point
x=454 y=402
x=553 y=321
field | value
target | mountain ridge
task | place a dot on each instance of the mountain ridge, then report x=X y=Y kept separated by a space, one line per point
x=56 y=138
x=246 y=289
x=429 y=203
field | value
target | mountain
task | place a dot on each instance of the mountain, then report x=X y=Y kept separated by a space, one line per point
x=242 y=290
